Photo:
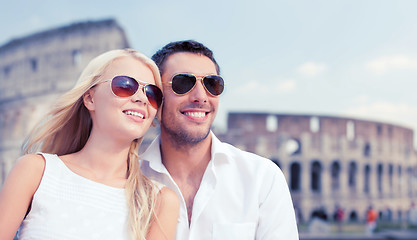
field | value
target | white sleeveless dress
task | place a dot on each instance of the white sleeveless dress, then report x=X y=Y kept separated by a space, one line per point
x=69 y=206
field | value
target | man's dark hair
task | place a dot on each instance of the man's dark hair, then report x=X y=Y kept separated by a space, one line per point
x=190 y=46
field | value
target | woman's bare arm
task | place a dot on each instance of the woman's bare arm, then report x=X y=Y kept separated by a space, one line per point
x=17 y=192
x=165 y=225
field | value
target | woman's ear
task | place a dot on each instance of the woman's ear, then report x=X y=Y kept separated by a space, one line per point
x=88 y=99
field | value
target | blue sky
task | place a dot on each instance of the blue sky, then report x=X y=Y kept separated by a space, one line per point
x=355 y=58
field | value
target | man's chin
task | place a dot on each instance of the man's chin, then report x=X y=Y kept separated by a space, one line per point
x=186 y=137
x=199 y=137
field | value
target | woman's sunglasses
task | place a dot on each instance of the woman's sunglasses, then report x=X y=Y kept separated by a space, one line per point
x=182 y=83
x=124 y=86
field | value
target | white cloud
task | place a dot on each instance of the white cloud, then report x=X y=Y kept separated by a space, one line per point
x=282 y=86
x=251 y=86
x=311 y=69
x=361 y=99
x=286 y=86
x=35 y=21
x=388 y=63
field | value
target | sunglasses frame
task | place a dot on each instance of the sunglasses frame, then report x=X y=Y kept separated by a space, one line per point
x=141 y=85
x=201 y=78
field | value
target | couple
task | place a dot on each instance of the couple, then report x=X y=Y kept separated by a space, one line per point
x=87 y=183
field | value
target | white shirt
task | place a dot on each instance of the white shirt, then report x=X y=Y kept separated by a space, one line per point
x=241 y=196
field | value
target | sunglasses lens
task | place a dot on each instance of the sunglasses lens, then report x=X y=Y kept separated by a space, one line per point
x=154 y=95
x=214 y=84
x=182 y=83
x=124 y=86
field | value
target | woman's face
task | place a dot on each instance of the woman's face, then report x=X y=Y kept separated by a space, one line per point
x=121 y=118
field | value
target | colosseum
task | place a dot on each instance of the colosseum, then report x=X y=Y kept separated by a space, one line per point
x=35 y=69
x=328 y=161
x=333 y=161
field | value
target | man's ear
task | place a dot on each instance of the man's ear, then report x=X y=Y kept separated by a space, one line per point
x=88 y=99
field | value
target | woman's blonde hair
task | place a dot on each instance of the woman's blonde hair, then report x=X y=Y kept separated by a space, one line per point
x=66 y=129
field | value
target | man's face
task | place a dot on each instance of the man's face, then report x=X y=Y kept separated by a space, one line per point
x=187 y=118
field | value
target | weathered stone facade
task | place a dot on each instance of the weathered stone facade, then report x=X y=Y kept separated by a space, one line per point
x=34 y=70
x=330 y=161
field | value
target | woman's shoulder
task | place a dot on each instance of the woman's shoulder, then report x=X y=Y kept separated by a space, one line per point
x=31 y=161
x=169 y=197
x=26 y=174
x=165 y=193
x=30 y=166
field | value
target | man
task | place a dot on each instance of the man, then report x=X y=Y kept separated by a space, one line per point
x=371 y=218
x=225 y=193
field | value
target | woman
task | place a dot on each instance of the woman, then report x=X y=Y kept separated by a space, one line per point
x=89 y=185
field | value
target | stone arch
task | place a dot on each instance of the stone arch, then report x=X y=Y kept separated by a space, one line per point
x=367 y=150
x=380 y=177
x=34 y=64
x=319 y=212
x=367 y=178
x=352 y=172
x=353 y=216
x=316 y=170
x=335 y=169
x=390 y=176
x=400 y=177
x=293 y=146
x=295 y=176
x=314 y=124
x=409 y=180
x=350 y=130
x=271 y=123
x=76 y=57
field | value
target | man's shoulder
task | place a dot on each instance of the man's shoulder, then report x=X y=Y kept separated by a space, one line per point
x=236 y=152
x=260 y=173
x=245 y=158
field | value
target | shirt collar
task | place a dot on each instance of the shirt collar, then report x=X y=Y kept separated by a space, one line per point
x=219 y=150
x=152 y=155
x=219 y=153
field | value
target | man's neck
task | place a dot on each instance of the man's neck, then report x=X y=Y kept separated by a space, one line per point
x=186 y=166
x=182 y=161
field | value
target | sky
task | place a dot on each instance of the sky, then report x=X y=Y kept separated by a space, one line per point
x=344 y=58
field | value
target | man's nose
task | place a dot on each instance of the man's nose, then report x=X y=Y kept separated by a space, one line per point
x=199 y=93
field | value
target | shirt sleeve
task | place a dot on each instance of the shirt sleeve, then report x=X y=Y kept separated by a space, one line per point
x=276 y=212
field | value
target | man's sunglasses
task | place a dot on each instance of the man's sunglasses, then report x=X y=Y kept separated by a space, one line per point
x=124 y=86
x=182 y=83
